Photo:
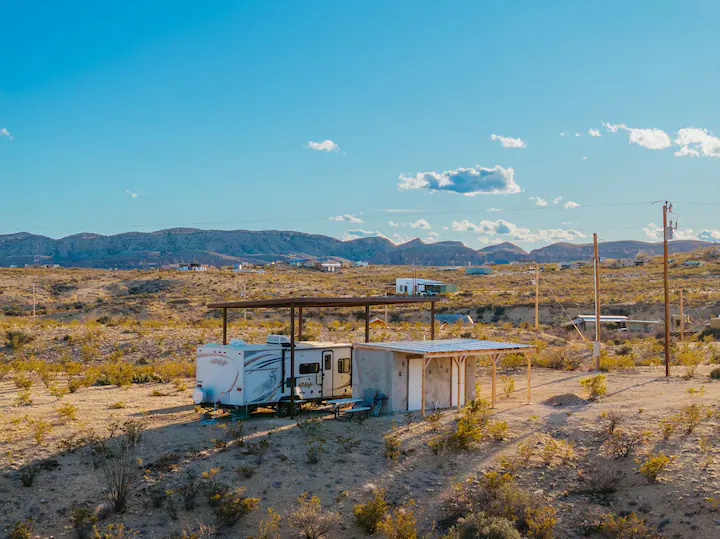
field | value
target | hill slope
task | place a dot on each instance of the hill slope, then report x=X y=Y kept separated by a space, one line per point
x=137 y=249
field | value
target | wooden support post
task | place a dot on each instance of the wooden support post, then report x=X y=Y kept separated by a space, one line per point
x=367 y=323
x=596 y=265
x=300 y=324
x=432 y=320
x=225 y=341
x=460 y=362
x=494 y=359
x=422 y=387
x=529 y=367
x=666 y=281
x=682 y=317
x=537 y=297
x=292 y=362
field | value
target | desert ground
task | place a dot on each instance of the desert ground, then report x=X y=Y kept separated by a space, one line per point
x=109 y=352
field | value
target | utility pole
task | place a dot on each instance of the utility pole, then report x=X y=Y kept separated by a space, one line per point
x=537 y=296
x=596 y=264
x=666 y=279
x=682 y=317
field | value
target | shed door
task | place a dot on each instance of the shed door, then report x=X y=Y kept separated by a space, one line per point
x=415 y=369
x=454 y=386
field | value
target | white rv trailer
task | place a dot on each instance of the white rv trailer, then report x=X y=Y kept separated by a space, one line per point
x=245 y=376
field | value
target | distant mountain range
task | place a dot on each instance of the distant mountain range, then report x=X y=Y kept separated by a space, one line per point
x=218 y=247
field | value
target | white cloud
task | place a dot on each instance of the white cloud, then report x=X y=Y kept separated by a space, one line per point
x=359 y=233
x=5 y=133
x=466 y=181
x=651 y=138
x=422 y=224
x=655 y=232
x=539 y=201
x=584 y=157
x=694 y=141
x=709 y=235
x=594 y=132
x=570 y=205
x=509 y=142
x=563 y=133
x=347 y=218
x=578 y=135
x=493 y=210
x=557 y=200
x=132 y=195
x=324 y=146
x=432 y=237
x=512 y=232
x=393 y=224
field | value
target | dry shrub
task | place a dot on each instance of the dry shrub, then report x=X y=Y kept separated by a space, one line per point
x=498 y=430
x=498 y=495
x=310 y=520
x=621 y=444
x=553 y=451
x=612 y=418
x=369 y=515
x=540 y=521
x=20 y=530
x=601 y=479
x=67 y=412
x=117 y=457
x=558 y=359
x=480 y=526
x=508 y=385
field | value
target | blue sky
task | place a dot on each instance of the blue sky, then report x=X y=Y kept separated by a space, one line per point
x=323 y=116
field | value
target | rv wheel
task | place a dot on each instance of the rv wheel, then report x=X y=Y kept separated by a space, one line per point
x=283 y=409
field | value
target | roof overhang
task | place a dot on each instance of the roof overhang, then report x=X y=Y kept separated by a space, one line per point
x=322 y=302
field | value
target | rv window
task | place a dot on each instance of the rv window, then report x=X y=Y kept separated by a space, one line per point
x=328 y=362
x=309 y=368
x=344 y=366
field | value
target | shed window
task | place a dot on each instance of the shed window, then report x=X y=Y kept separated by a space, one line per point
x=344 y=365
x=309 y=368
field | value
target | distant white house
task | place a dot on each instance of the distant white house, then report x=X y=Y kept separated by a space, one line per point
x=422 y=287
x=693 y=263
x=330 y=267
x=361 y=264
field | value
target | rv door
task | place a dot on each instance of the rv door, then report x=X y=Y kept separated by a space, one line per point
x=328 y=361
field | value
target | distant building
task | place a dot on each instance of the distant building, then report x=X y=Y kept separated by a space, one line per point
x=422 y=287
x=586 y=322
x=478 y=270
x=568 y=265
x=622 y=263
x=330 y=267
x=361 y=264
x=693 y=263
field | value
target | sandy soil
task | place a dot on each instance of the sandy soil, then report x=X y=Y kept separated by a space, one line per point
x=341 y=478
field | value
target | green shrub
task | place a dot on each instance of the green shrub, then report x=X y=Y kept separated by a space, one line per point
x=20 y=530
x=400 y=523
x=17 y=339
x=229 y=506
x=369 y=515
x=594 y=386
x=653 y=465
x=628 y=527
x=715 y=373
x=498 y=430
